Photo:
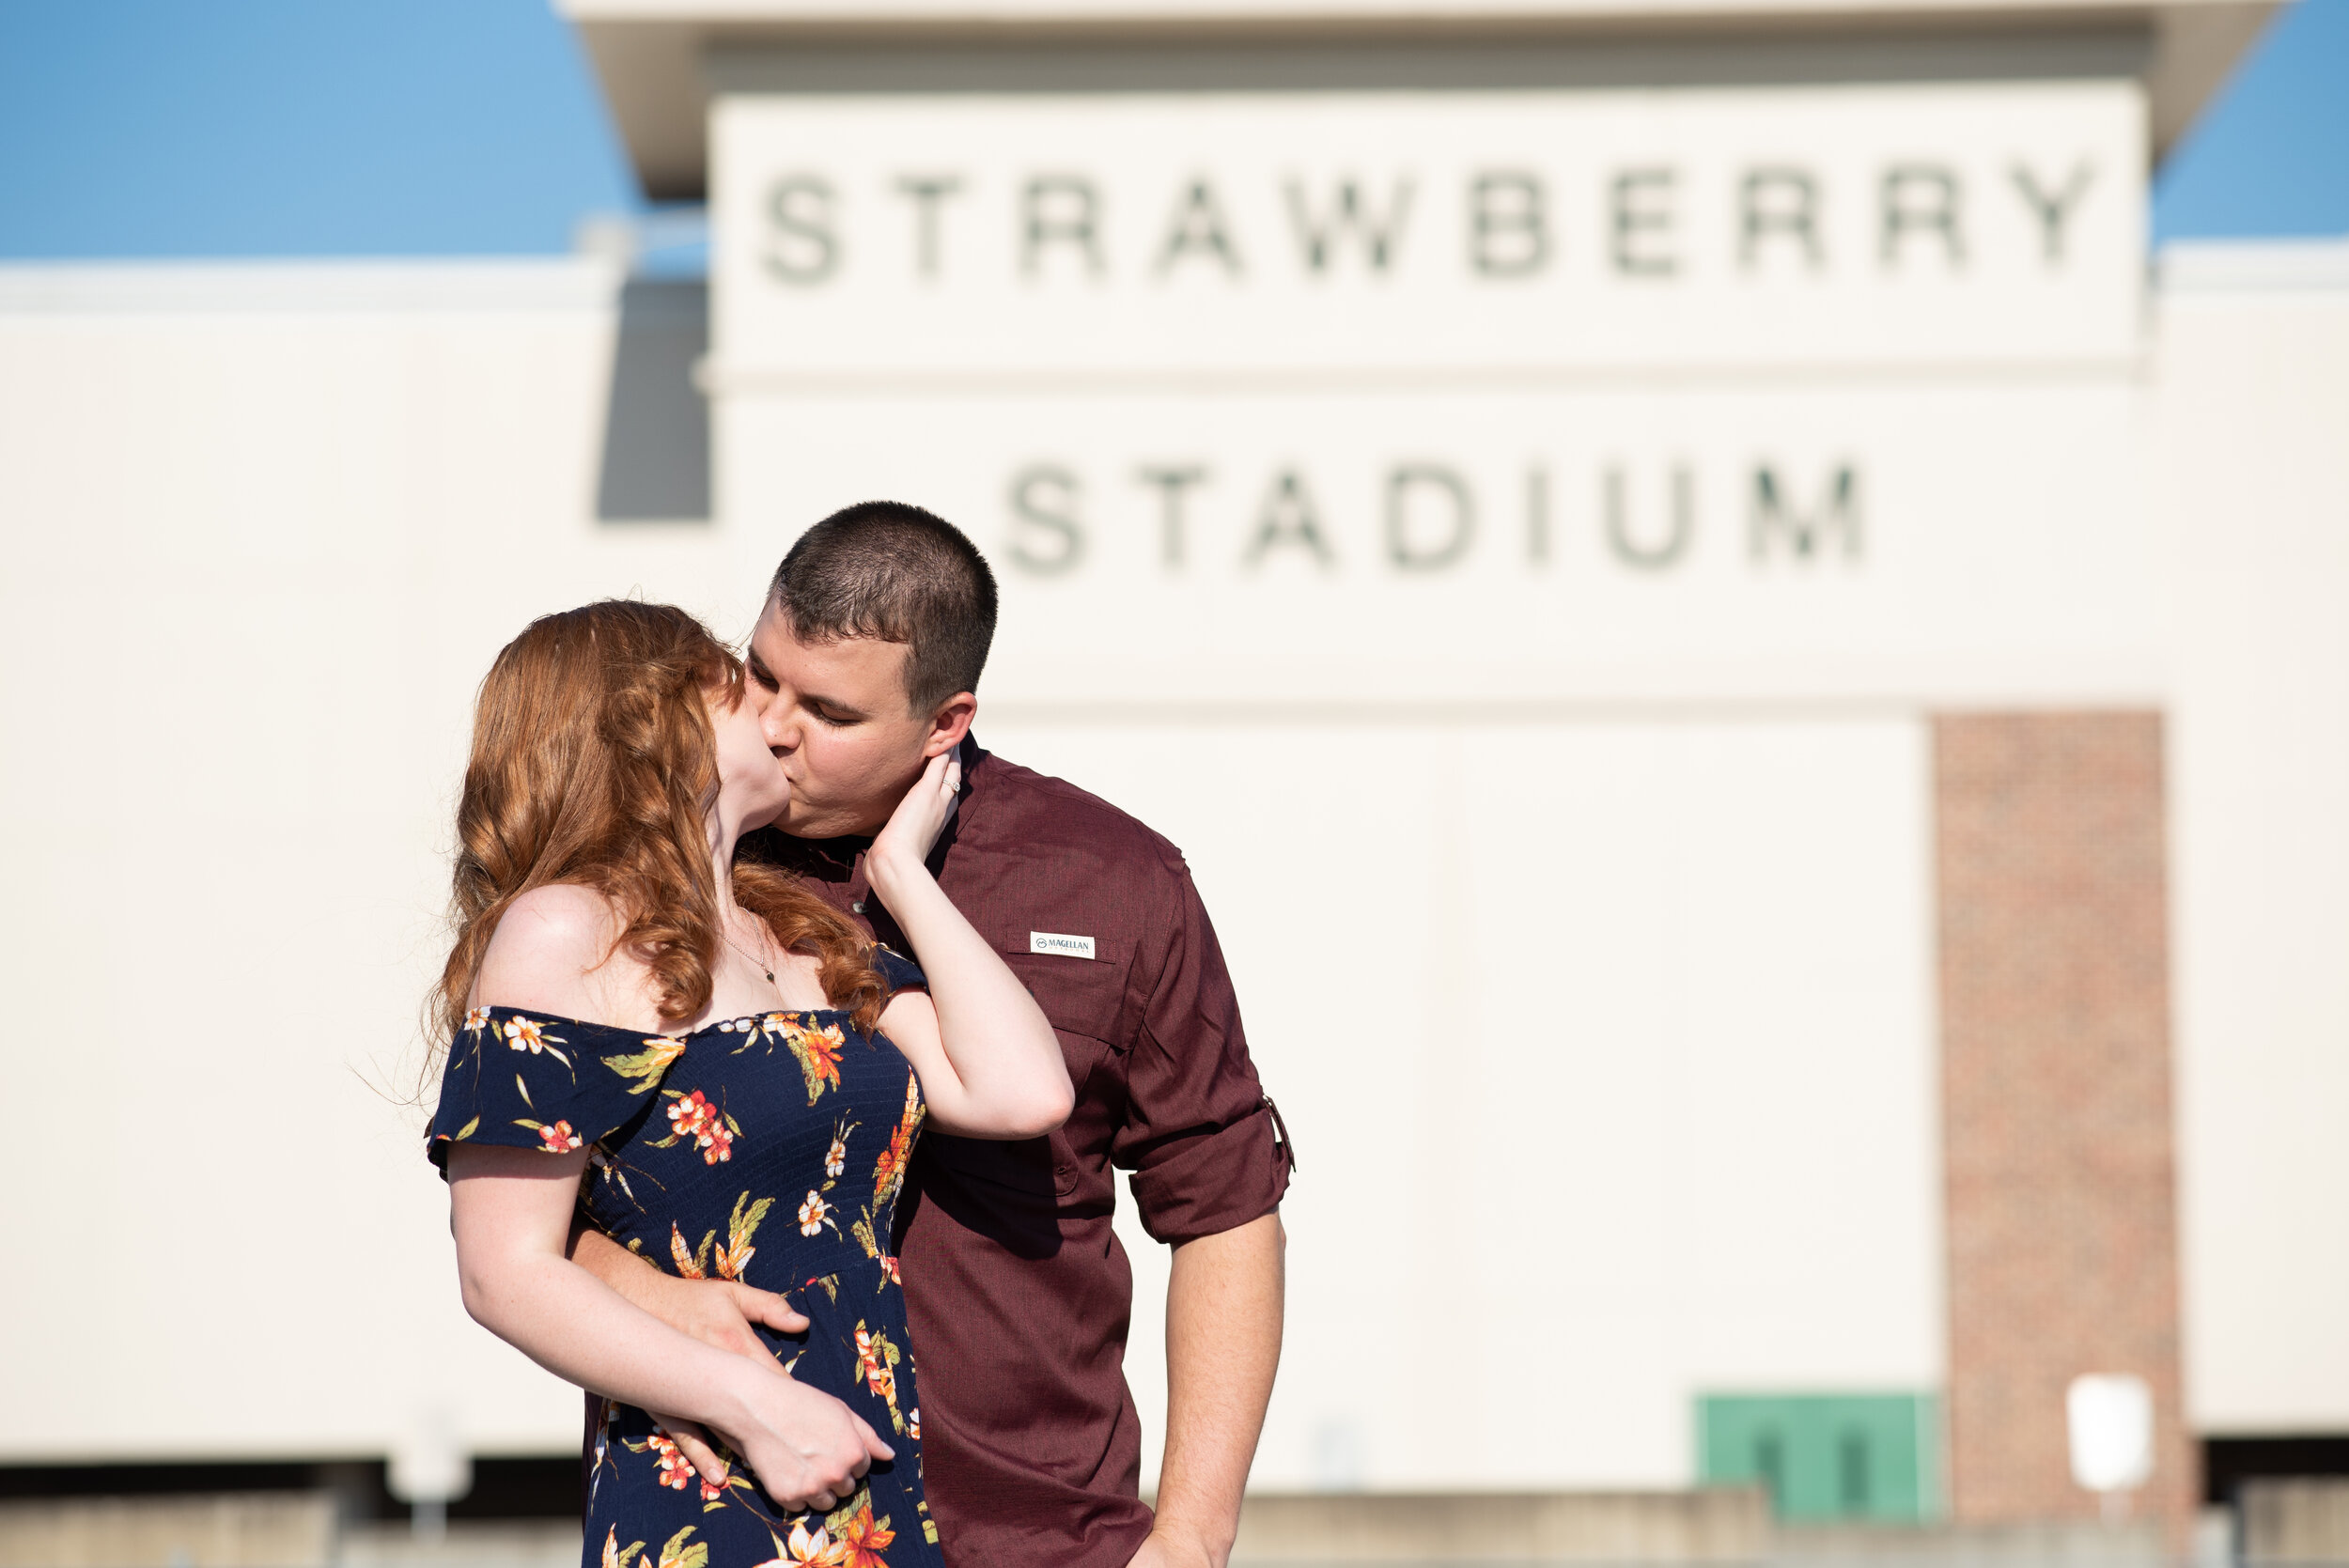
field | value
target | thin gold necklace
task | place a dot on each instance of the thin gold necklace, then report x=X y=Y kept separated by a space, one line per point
x=756 y=963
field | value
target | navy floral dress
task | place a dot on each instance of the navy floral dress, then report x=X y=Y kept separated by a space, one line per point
x=767 y=1149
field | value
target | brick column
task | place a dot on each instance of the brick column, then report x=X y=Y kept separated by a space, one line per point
x=2055 y=1059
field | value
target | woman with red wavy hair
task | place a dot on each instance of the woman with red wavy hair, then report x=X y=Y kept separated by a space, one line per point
x=707 y=1063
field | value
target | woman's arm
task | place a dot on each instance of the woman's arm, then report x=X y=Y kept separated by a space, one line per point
x=989 y=1064
x=511 y=1212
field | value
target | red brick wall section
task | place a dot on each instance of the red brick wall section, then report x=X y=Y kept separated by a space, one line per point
x=2055 y=1039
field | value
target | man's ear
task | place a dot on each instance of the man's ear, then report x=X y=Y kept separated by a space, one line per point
x=950 y=724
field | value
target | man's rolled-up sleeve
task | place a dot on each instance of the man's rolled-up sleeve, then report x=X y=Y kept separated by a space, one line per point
x=1205 y=1146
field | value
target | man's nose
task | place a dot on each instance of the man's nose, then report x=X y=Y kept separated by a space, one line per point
x=780 y=726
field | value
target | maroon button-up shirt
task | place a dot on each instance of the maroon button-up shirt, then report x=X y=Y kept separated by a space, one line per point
x=1017 y=1291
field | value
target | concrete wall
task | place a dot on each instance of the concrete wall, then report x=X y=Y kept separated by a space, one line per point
x=2252 y=475
x=1605 y=1029
x=1606 y=1044
x=266 y=528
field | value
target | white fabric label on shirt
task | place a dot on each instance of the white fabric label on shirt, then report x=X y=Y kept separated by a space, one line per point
x=1066 y=947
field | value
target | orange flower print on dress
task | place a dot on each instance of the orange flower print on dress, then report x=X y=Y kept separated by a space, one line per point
x=734 y=1256
x=814 y=1215
x=807 y=1545
x=890 y=1167
x=559 y=1138
x=474 y=1018
x=691 y=1265
x=862 y=1538
x=877 y=1360
x=531 y=1036
x=817 y=1049
x=692 y=1116
x=676 y=1473
x=913 y=1424
x=889 y=1172
x=836 y=1158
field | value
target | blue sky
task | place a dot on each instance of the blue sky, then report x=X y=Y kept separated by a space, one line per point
x=159 y=128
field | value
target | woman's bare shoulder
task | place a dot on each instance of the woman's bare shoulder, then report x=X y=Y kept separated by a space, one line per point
x=552 y=952
x=560 y=913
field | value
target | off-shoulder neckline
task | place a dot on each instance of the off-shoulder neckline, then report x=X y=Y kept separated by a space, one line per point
x=715 y=1025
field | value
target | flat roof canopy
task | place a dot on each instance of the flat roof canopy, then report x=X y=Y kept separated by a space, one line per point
x=660 y=60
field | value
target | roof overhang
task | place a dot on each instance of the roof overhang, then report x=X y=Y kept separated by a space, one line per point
x=660 y=60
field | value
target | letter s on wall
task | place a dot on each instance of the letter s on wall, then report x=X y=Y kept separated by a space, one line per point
x=804 y=249
x=1044 y=508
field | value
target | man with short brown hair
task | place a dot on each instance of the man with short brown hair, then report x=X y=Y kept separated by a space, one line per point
x=867 y=660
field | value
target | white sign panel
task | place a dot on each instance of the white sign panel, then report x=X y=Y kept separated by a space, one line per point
x=1877 y=543
x=1213 y=236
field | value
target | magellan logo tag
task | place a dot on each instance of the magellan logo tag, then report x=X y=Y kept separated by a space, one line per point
x=1066 y=947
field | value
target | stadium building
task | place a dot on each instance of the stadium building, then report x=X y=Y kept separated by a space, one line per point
x=1762 y=705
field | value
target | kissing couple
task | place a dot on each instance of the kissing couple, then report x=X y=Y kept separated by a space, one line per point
x=792 y=1038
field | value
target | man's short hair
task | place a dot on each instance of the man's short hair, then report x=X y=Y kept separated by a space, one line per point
x=893 y=571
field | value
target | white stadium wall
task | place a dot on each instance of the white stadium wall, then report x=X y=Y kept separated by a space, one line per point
x=2252 y=476
x=1599 y=997
x=1530 y=1139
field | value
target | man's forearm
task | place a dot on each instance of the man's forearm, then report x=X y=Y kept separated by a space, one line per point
x=612 y=1263
x=1223 y=1307
x=715 y=1312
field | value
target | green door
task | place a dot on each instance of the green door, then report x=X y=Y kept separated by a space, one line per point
x=1827 y=1456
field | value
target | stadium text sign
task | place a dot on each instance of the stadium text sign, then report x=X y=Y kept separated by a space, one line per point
x=1710 y=394
x=1527 y=231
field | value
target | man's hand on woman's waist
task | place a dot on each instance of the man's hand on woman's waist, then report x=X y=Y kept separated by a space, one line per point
x=833 y=1443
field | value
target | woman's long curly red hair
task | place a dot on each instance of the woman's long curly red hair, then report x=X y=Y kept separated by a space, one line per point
x=594 y=763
